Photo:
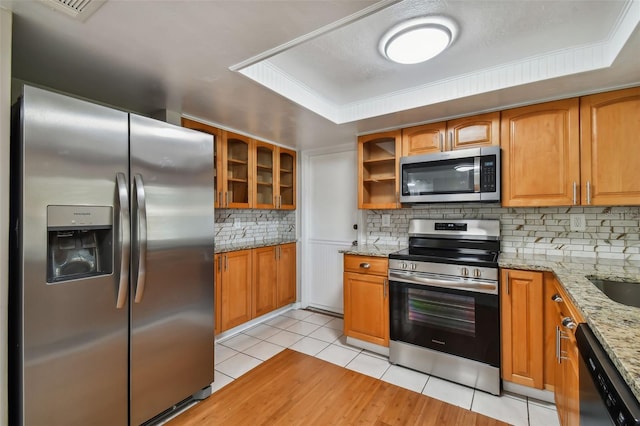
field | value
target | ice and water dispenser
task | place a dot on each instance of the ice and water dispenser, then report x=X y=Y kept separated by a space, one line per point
x=79 y=242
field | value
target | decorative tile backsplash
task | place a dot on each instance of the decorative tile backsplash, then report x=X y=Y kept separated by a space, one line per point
x=254 y=226
x=611 y=232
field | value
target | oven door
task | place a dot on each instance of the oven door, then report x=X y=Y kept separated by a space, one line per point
x=457 y=322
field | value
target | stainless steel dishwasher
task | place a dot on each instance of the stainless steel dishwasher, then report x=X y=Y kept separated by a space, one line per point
x=605 y=398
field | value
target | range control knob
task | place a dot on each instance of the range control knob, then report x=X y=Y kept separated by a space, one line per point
x=403 y=265
x=413 y=266
x=464 y=272
x=477 y=273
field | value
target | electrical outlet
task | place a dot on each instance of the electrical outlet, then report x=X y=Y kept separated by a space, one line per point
x=386 y=220
x=578 y=223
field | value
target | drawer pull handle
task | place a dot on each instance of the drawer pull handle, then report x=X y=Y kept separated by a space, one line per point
x=557 y=298
x=568 y=322
x=365 y=265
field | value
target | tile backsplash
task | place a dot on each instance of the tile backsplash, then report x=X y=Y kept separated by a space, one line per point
x=254 y=226
x=611 y=232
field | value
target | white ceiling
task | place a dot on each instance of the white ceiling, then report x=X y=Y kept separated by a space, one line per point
x=315 y=76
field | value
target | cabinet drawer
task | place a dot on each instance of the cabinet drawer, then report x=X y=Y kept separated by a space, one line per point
x=366 y=264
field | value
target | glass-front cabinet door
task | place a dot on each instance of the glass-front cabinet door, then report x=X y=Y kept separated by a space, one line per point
x=237 y=166
x=286 y=179
x=265 y=176
x=378 y=159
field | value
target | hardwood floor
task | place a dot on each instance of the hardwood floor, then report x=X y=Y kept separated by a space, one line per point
x=293 y=388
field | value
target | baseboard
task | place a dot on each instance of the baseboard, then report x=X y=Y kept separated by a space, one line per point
x=541 y=394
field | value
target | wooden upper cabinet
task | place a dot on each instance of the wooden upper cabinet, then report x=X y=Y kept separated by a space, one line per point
x=264 y=194
x=474 y=132
x=217 y=157
x=521 y=315
x=286 y=178
x=462 y=133
x=237 y=176
x=541 y=155
x=378 y=170
x=424 y=139
x=610 y=135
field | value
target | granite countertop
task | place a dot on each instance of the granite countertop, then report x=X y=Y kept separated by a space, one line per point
x=227 y=247
x=371 y=250
x=616 y=326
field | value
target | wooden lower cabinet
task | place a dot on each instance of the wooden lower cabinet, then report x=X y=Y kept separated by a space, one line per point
x=566 y=359
x=251 y=283
x=235 y=289
x=521 y=314
x=286 y=275
x=366 y=299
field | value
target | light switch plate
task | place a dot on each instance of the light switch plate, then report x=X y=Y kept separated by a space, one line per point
x=578 y=223
x=386 y=220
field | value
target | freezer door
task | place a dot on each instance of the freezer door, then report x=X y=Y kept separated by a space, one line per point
x=71 y=338
x=172 y=265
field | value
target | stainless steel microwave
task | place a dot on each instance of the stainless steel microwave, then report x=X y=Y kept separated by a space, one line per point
x=454 y=176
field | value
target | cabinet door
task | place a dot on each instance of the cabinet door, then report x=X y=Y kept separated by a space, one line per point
x=378 y=172
x=264 y=191
x=238 y=173
x=264 y=280
x=366 y=308
x=286 y=179
x=424 y=139
x=474 y=132
x=235 y=289
x=610 y=125
x=541 y=155
x=217 y=298
x=217 y=155
x=286 y=274
x=522 y=327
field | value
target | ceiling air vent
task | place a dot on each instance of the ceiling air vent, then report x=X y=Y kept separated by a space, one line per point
x=77 y=9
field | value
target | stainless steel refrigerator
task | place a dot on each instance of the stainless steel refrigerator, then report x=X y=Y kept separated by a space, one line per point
x=111 y=288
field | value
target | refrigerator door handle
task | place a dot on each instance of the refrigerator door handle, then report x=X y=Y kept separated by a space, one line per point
x=124 y=240
x=141 y=241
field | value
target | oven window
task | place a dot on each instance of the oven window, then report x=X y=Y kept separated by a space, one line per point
x=445 y=311
x=439 y=177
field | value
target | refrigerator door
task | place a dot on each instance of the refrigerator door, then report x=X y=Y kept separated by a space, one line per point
x=172 y=265
x=71 y=338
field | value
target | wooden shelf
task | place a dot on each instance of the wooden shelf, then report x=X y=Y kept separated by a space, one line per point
x=264 y=166
x=380 y=179
x=235 y=161
x=379 y=160
x=265 y=183
x=237 y=180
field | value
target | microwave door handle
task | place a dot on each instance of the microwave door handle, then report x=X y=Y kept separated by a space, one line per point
x=124 y=242
x=476 y=174
x=141 y=218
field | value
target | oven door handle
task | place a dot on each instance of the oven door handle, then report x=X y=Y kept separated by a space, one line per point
x=490 y=287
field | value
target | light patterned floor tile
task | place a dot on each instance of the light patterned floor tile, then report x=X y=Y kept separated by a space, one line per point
x=222 y=353
x=449 y=392
x=512 y=410
x=241 y=342
x=304 y=328
x=262 y=331
x=319 y=319
x=281 y=322
x=540 y=416
x=220 y=380
x=337 y=355
x=327 y=334
x=237 y=365
x=263 y=350
x=337 y=323
x=284 y=338
x=405 y=378
x=309 y=346
x=298 y=314
x=371 y=366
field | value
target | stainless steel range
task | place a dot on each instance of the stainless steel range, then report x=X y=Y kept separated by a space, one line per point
x=444 y=305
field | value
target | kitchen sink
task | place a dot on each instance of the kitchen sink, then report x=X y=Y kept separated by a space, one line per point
x=625 y=292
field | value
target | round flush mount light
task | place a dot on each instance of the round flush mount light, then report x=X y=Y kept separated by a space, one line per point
x=418 y=40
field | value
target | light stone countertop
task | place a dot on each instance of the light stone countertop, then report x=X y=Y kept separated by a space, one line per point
x=227 y=247
x=372 y=250
x=616 y=326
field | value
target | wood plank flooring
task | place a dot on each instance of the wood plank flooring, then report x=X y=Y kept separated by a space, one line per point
x=294 y=388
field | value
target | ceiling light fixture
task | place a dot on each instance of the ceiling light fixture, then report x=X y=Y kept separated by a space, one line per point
x=418 y=40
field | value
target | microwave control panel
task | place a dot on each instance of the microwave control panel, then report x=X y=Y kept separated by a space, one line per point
x=488 y=173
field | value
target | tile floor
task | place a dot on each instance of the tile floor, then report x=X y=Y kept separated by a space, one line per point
x=321 y=336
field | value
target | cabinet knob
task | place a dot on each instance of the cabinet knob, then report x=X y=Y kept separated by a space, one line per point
x=365 y=265
x=568 y=322
x=557 y=298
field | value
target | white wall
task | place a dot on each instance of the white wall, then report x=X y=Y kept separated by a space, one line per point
x=5 y=118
